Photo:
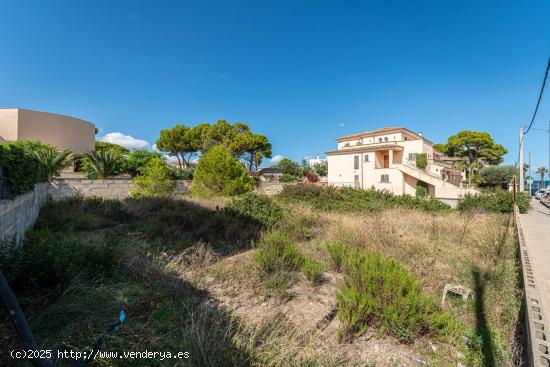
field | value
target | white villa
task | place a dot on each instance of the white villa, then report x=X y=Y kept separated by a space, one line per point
x=386 y=160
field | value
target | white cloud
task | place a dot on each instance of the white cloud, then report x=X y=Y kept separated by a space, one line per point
x=127 y=141
x=277 y=158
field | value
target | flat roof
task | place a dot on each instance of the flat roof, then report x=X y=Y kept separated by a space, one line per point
x=384 y=130
x=48 y=113
x=364 y=149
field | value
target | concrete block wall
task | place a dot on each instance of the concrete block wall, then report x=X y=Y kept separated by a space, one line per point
x=270 y=188
x=115 y=188
x=17 y=215
x=107 y=189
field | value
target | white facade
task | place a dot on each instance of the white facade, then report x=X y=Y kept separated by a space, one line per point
x=386 y=160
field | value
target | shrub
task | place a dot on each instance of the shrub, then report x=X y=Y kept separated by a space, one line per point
x=381 y=292
x=321 y=168
x=259 y=208
x=53 y=161
x=311 y=177
x=421 y=160
x=136 y=162
x=46 y=260
x=350 y=199
x=421 y=189
x=289 y=167
x=337 y=252
x=498 y=201
x=103 y=145
x=285 y=177
x=102 y=163
x=497 y=176
x=19 y=168
x=155 y=181
x=219 y=173
x=313 y=270
x=182 y=173
x=276 y=252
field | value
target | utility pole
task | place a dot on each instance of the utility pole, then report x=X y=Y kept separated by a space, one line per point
x=530 y=177
x=521 y=158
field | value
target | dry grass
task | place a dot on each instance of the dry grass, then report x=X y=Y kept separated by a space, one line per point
x=228 y=315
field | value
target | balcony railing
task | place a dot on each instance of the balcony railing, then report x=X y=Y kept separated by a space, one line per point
x=354 y=184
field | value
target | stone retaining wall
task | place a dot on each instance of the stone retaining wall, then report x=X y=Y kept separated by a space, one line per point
x=270 y=188
x=17 y=215
x=115 y=188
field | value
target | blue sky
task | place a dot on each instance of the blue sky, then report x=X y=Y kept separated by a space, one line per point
x=295 y=70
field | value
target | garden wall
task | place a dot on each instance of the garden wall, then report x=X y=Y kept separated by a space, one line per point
x=113 y=188
x=17 y=215
x=270 y=188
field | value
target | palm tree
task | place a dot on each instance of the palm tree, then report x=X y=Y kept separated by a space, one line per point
x=541 y=171
x=105 y=163
x=52 y=160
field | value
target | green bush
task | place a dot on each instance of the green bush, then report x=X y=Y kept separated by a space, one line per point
x=185 y=173
x=498 y=201
x=350 y=199
x=321 y=168
x=313 y=270
x=52 y=160
x=259 y=208
x=497 y=176
x=285 y=177
x=380 y=292
x=289 y=167
x=421 y=160
x=218 y=173
x=276 y=252
x=155 y=181
x=47 y=260
x=102 y=164
x=135 y=163
x=20 y=170
x=421 y=189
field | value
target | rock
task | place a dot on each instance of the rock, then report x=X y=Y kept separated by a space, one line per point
x=457 y=289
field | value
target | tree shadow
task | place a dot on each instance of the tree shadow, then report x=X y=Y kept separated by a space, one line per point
x=201 y=324
x=482 y=327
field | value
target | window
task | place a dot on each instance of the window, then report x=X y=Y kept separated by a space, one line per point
x=366 y=157
x=356 y=178
x=384 y=178
x=379 y=140
x=386 y=138
x=356 y=162
x=346 y=145
x=412 y=156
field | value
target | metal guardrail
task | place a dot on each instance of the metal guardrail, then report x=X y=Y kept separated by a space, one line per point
x=537 y=333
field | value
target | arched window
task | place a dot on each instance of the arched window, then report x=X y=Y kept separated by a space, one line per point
x=379 y=140
x=386 y=138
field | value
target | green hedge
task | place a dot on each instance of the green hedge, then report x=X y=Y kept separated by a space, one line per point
x=19 y=169
x=350 y=199
x=498 y=201
x=421 y=160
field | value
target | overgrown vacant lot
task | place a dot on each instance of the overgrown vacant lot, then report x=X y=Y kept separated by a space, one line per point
x=260 y=282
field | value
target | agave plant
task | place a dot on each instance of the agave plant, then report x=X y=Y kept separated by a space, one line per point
x=105 y=163
x=52 y=160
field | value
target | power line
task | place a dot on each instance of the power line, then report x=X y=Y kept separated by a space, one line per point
x=540 y=97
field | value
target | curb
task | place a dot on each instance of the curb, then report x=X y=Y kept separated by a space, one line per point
x=538 y=349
